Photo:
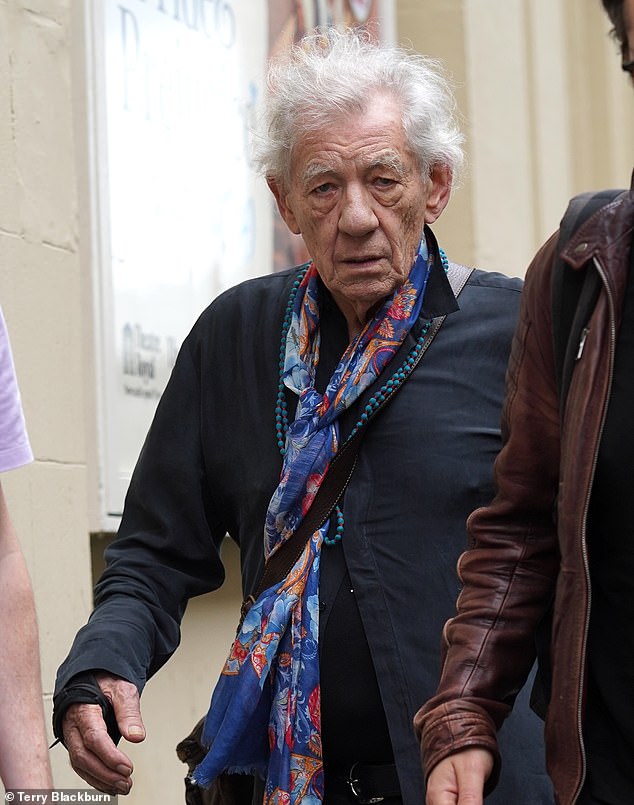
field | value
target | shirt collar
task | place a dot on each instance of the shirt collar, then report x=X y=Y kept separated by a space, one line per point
x=439 y=298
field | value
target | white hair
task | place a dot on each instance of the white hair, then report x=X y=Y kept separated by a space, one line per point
x=330 y=73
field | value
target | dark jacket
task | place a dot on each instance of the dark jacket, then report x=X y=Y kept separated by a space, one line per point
x=521 y=561
x=210 y=464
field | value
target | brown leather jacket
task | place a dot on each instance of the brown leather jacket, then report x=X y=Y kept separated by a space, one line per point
x=520 y=559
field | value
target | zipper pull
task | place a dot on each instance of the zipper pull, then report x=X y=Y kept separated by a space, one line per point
x=582 y=342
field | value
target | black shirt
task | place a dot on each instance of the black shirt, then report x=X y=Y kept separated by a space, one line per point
x=609 y=713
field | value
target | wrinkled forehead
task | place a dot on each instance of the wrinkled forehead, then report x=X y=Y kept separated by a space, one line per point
x=371 y=138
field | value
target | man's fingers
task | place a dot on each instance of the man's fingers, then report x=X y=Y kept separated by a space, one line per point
x=125 y=701
x=94 y=782
x=92 y=753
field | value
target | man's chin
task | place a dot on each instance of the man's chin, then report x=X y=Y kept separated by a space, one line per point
x=367 y=294
x=371 y=286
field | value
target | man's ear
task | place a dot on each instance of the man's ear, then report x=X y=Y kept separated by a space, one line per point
x=439 y=192
x=281 y=199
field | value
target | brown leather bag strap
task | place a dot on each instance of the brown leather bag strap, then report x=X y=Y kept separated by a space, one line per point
x=339 y=472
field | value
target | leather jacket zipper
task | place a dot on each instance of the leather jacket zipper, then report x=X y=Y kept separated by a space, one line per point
x=586 y=505
x=582 y=342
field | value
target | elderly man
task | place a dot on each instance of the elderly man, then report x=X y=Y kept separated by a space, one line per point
x=279 y=379
x=568 y=448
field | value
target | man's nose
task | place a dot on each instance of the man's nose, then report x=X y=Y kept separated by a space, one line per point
x=357 y=215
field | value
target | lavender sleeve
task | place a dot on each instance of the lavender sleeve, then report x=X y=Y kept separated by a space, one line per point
x=15 y=449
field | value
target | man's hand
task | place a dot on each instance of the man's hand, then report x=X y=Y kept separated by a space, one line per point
x=92 y=753
x=459 y=779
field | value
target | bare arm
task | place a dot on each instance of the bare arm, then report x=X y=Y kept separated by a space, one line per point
x=24 y=759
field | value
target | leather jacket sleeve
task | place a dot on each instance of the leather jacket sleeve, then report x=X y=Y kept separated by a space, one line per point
x=509 y=572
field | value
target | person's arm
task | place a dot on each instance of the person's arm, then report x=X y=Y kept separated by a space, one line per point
x=167 y=550
x=509 y=573
x=24 y=759
x=185 y=495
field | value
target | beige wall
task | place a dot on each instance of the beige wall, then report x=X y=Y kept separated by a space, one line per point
x=546 y=112
x=40 y=291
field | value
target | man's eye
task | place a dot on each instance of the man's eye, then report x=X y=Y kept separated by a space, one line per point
x=383 y=181
x=321 y=189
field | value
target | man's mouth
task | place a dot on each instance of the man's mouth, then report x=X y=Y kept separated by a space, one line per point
x=368 y=259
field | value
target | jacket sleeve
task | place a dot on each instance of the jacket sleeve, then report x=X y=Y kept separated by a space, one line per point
x=509 y=571
x=167 y=547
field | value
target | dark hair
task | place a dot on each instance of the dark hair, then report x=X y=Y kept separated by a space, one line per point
x=614 y=9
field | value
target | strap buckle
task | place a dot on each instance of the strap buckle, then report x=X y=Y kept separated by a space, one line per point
x=357 y=793
x=244 y=609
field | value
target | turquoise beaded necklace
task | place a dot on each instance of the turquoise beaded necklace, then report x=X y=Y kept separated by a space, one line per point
x=375 y=401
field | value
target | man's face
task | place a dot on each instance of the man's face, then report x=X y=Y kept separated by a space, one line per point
x=358 y=199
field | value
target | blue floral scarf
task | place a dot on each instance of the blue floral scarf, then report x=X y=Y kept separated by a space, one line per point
x=264 y=716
